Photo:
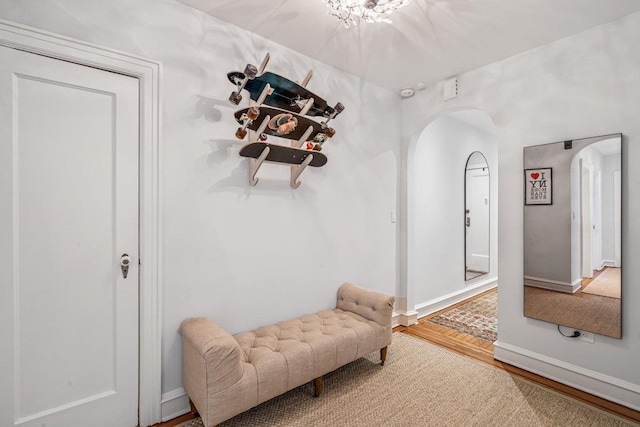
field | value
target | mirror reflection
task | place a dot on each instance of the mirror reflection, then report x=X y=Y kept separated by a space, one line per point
x=572 y=234
x=476 y=223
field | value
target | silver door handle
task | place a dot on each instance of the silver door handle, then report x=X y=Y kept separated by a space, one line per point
x=125 y=260
x=468 y=222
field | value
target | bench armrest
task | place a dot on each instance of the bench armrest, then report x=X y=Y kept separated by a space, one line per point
x=373 y=306
x=211 y=360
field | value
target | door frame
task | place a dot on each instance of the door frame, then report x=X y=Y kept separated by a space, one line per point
x=148 y=72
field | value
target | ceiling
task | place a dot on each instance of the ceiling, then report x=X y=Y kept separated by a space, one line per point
x=428 y=41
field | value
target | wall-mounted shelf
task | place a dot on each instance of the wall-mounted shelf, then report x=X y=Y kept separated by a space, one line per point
x=281 y=108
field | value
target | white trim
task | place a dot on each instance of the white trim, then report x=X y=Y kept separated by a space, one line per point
x=553 y=285
x=404 y=318
x=148 y=72
x=607 y=263
x=448 y=300
x=174 y=403
x=596 y=383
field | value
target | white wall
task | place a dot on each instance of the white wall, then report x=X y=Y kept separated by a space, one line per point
x=247 y=256
x=549 y=223
x=581 y=86
x=436 y=213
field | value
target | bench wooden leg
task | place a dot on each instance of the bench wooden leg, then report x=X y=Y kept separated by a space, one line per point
x=383 y=355
x=318 y=384
x=194 y=411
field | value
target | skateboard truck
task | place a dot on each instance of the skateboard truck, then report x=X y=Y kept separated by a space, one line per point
x=252 y=114
x=250 y=72
x=339 y=108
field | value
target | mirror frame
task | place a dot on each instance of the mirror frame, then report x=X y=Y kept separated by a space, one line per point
x=569 y=145
x=464 y=255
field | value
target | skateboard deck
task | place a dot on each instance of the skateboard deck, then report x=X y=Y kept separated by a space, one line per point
x=284 y=124
x=285 y=93
x=282 y=154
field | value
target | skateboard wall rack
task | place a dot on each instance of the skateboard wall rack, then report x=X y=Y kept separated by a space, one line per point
x=299 y=162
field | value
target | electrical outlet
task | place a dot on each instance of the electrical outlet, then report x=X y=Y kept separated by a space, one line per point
x=587 y=337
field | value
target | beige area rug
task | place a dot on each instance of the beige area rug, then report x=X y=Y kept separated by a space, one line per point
x=607 y=284
x=587 y=313
x=478 y=317
x=421 y=385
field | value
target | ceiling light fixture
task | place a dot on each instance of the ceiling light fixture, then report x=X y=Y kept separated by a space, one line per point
x=352 y=11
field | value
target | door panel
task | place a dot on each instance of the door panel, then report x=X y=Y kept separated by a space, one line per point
x=477 y=234
x=71 y=135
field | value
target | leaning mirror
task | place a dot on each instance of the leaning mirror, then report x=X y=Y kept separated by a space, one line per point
x=572 y=234
x=476 y=216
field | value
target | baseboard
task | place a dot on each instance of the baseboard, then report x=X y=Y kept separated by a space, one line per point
x=174 y=403
x=404 y=318
x=445 y=301
x=553 y=285
x=592 y=382
x=607 y=263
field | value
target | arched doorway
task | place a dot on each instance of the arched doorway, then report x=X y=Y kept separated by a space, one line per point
x=436 y=261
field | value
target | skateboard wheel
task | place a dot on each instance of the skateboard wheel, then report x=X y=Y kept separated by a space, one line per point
x=241 y=133
x=309 y=146
x=339 y=108
x=263 y=137
x=253 y=113
x=317 y=147
x=250 y=71
x=235 y=98
x=330 y=132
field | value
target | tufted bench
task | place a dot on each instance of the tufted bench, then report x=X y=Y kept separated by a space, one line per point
x=225 y=375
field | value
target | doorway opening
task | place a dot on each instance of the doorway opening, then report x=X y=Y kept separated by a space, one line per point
x=452 y=256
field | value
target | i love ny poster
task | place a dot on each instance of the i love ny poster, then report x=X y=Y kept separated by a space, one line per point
x=537 y=185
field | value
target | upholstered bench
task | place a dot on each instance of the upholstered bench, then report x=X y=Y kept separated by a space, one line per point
x=225 y=375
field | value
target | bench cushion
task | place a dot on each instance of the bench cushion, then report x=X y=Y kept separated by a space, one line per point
x=289 y=354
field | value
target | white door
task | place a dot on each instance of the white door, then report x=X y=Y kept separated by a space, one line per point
x=68 y=211
x=477 y=235
x=586 y=224
x=617 y=226
x=596 y=215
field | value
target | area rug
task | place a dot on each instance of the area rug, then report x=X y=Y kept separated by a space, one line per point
x=606 y=284
x=478 y=317
x=421 y=385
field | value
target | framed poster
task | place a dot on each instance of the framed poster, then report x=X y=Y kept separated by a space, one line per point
x=537 y=186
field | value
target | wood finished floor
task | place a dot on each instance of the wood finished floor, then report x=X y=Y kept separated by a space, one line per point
x=481 y=350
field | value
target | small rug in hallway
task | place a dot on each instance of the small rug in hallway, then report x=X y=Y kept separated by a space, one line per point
x=478 y=317
x=421 y=385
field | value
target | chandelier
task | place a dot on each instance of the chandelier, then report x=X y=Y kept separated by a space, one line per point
x=352 y=11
